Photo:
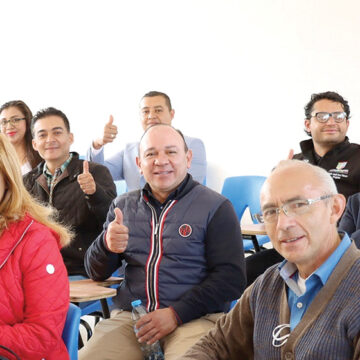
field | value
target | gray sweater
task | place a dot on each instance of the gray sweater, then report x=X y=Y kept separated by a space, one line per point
x=330 y=328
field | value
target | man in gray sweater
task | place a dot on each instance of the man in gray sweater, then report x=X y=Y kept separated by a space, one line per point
x=308 y=307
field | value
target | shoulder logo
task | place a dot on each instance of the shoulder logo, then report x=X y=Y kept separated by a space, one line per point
x=341 y=165
x=185 y=230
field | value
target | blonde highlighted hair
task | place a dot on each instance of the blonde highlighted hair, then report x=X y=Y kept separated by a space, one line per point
x=17 y=202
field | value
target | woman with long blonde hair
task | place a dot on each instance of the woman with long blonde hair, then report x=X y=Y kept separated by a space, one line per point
x=33 y=279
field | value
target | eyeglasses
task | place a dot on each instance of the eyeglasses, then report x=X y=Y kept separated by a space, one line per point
x=323 y=117
x=13 y=121
x=291 y=208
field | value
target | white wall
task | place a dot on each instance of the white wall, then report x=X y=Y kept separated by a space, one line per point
x=238 y=72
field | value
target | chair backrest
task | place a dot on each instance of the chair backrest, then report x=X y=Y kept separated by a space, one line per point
x=120 y=187
x=70 y=333
x=243 y=192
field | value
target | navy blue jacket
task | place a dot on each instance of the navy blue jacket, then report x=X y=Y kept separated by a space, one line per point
x=188 y=256
x=350 y=222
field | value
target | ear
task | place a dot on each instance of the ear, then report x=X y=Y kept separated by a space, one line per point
x=337 y=207
x=347 y=124
x=172 y=113
x=34 y=145
x=71 y=137
x=189 y=156
x=307 y=125
x=138 y=163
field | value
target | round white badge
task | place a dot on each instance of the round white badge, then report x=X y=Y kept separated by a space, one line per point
x=50 y=268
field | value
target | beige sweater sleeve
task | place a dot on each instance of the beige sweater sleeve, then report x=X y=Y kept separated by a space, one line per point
x=231 y=338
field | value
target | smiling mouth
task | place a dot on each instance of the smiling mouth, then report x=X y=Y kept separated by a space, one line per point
x=287 y=241
x=163 y=172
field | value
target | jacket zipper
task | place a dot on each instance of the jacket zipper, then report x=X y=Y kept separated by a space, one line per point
x=152 y=301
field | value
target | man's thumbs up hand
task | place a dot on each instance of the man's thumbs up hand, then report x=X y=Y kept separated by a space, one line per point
x=117 y=234
x=86 y=180
x=109 y=134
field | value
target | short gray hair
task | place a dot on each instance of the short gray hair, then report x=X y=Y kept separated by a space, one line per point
x=328 y=183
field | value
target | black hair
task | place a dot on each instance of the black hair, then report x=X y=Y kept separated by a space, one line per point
x=328 y=95
x=50 y=111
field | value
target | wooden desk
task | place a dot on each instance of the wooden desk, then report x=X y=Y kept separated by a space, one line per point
x=249 y=231
x=89 y=290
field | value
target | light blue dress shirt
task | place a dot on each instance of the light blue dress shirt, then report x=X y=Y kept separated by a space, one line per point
x=298 y=301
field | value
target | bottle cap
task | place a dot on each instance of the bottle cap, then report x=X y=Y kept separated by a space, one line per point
x=135 y=303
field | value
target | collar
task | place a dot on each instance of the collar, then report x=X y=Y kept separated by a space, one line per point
x=183 y=188
x=58 y=170
x=289 y=272
x=307 y=146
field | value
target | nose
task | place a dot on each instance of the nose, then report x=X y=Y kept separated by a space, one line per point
x=331 y=121
x=9 y=125
x=284 y=222
x=151 y=114
x=161 y=159
x=49 y=137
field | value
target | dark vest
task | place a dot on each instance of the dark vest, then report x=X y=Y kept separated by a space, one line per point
x=167 y=254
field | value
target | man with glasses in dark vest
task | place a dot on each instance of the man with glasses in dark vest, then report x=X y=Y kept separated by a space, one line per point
x=326 y=122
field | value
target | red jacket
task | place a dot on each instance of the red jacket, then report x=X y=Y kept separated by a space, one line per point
x=34 y=292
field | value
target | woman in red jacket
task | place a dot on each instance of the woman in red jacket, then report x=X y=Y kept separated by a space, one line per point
x=33 y=279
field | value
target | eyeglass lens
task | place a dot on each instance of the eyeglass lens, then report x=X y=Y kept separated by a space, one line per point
x=13 y=121
x=325 y=116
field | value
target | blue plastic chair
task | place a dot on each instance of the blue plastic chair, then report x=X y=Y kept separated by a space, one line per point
x=244 y=192
x=70 y=333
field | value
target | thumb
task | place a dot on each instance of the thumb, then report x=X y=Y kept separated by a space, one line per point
x=85 y=167
x=118 y=216
x=111 y=120
x=291 y=154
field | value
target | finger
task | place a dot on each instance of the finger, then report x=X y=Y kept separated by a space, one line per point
x=111 y=120
x=144 y=330
x=109 y=137
x=86 y=167
x=150 y=337
x=82 y=179
x=143 y=321
x=291 y=154
x=118 y=216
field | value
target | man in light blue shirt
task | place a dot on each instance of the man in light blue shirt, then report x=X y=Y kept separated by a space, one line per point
x=155 y=107
x=301 y=292
x=308 y=307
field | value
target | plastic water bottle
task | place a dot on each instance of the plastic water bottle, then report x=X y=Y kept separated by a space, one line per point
x=151 y=352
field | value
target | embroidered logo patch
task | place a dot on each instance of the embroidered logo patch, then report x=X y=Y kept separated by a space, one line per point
x=341 y=165
x=185 y=230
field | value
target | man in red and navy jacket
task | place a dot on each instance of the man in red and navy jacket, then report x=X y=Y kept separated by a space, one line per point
x=183 y=248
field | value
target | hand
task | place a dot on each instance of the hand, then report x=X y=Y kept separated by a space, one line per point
x=155 y=325
x=110 y=132
x=86 y=180
x=117 y=234
x=291 y=154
